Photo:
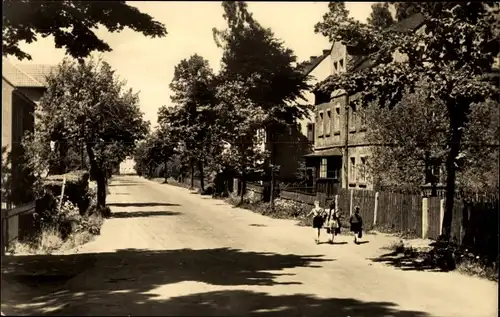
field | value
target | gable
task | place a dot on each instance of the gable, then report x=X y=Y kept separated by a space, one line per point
x=26 y=75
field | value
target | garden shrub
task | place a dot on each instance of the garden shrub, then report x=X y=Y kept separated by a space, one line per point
x=76 y=188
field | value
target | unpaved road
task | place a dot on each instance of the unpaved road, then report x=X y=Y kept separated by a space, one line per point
x=167 y=251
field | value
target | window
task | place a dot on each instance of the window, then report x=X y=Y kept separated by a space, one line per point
x=310 y=132
x=363 y=118
x=321 y=124
x=323 y=168
x=353 y=118
x=336 y=123
x=352 y=171
x=341 y=64
x=328 y=122
x=333 y=173
x=363 y=170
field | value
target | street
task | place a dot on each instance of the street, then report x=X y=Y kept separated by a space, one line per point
x=169 y=251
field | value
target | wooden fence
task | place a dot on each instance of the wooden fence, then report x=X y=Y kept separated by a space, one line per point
x=16 y=223
x=412 y=214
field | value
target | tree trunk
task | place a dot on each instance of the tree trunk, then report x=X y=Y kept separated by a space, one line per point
x=166 y=170
x=451 y=171
x=192 y=174
x=243 y=186
x=100 y=177
x=202 y=176
x=273 y=180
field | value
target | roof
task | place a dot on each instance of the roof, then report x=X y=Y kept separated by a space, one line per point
x=411 y=23
x=26 y=75
x=325 y=153
x=314 y=63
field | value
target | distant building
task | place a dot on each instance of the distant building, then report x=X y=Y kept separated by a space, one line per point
x=127 y=167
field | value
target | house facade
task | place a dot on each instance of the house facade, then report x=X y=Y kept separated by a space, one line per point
x=341 y=150
x=291 y=145
x=22 y=88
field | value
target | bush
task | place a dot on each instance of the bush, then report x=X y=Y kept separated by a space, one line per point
x=291 y=209
x=76 y=188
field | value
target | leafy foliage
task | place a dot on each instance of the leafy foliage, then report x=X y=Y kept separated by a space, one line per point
x=71 y=23
x=86 y=106
x=456 y=47
x=252 y=51
x=409 y=149
x=381 y=16
x=405 y=10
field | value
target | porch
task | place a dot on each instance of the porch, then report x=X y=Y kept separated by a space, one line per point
x=323 y=170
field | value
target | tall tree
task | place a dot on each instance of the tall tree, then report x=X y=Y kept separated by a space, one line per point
x=71 y=23
x=191 y=121
x=380 y=16
x=240 y=120
x=456 y=49
x=86 y=106
x=277 y=82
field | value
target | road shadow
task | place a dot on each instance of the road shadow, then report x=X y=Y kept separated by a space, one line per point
x=98 y=275
x=257 y=225
x=139 y=214
x=136 y=204
x=406 y=261
x=363 y=242
x=230 y=303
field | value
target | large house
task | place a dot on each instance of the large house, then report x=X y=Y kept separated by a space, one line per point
x=22 y=87
x=341 y=152
x=293 y=143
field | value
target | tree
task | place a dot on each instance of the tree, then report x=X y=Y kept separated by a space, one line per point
x=277 y=82
x=454 y=52
x=86 y=106
x=405 y=10
x=191 y=121
x=239 y=120
x=406 y=150
x=380 y=16
x=71 y=24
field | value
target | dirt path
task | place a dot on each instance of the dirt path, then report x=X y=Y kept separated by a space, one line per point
x=167 y=251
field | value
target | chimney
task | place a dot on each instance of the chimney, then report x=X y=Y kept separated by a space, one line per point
x=312 y=58
x=326 y=52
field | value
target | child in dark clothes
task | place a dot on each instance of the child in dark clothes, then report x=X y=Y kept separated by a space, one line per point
x=318 y=218
x=356 y=224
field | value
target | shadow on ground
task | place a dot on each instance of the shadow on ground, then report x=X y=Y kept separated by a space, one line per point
x=408 y=261
x=136 y=204
x=141 y=214
x=77 y=282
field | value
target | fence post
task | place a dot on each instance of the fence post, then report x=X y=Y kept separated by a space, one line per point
x=350 y=203
x=425 y=217
x=375 y=210
x=441 y=216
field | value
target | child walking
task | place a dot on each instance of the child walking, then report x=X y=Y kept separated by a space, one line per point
x=318 y=218
x=333 y=222
x=356 y=224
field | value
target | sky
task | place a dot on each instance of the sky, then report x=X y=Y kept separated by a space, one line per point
x=148 y=64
